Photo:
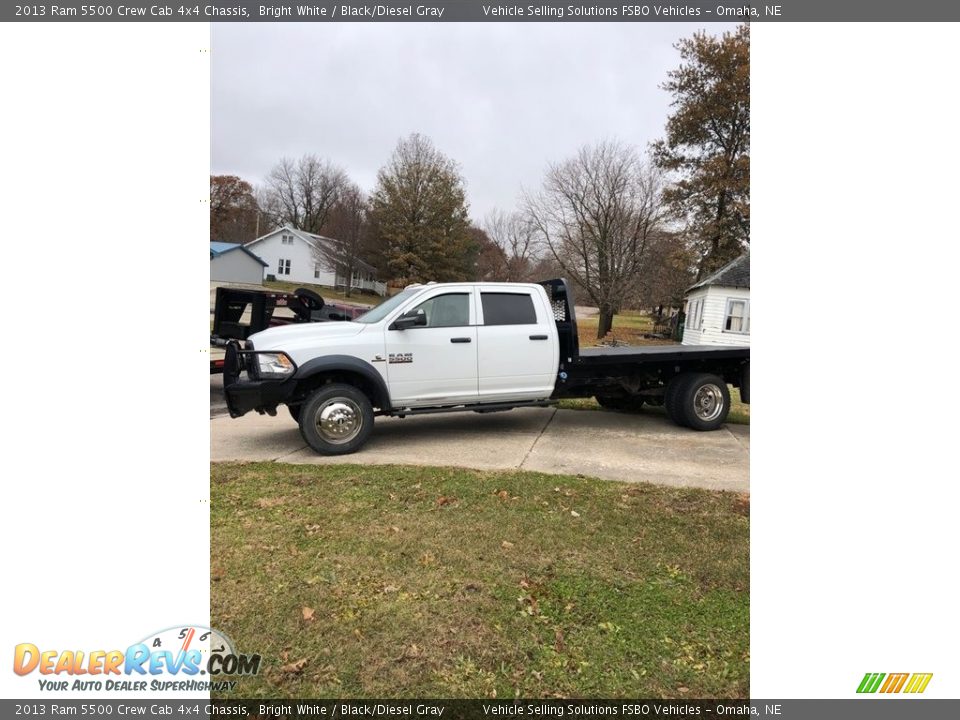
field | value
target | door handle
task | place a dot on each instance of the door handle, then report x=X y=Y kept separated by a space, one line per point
x=459 y=340
x=539 y=337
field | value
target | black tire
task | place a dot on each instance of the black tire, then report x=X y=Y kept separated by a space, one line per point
x=704 y=401
x=309 y=299
x=671 y=399
x=624 y=403
x=294 y=412
x=348 y=422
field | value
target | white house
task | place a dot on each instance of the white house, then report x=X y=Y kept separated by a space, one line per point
x=232 y=262
x=300 y=257
x=718 y=307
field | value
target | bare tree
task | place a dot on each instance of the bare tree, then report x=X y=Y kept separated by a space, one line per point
x=347 y=227
x=670 y=271
x=491 y=260
x=303 y=192
x=517 y=237
x=597 y=214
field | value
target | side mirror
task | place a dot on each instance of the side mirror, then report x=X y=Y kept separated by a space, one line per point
x=413 y=318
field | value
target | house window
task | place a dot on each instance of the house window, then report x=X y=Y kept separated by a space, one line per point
x=286 y=239
x=284 y=267
x=695 y=314
x=737 y=319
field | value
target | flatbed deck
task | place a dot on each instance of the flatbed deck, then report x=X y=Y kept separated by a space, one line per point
x=658 y=353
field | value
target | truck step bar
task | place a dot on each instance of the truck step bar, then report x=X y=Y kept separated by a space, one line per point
x=477 y=407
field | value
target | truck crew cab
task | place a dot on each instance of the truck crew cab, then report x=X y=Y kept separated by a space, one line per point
x=466 y=346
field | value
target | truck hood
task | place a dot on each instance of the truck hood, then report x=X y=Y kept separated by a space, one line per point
x=289 y=337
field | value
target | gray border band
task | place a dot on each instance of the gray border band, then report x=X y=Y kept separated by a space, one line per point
x=483 y=11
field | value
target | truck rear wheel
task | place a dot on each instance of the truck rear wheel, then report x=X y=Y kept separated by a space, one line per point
x=336 y=419
x=670 y=399
x=700 y=401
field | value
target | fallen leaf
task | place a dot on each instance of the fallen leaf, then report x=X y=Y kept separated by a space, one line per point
x=444 y=500
x=307 y=613
x=294 y=668
x=395 y=528
x=683 y=689
x=506 y=544
x=503 y=494
x=574 y=513
x=390 y=588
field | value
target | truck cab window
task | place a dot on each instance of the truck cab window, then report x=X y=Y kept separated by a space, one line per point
x=451 y=310
x=508 y=309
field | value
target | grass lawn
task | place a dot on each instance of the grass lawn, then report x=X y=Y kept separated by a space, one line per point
x=629 y=328
x=739 y=411
x=391 y=581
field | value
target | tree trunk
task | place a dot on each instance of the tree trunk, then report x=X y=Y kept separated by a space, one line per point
x=606 y=320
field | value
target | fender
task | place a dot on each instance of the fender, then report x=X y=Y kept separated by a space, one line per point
x=348 y=363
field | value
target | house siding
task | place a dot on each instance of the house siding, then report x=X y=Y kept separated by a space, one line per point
x=237 y=267
x=300 y=255
x=714 y=313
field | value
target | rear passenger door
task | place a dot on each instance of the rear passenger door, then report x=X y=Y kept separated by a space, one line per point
x=517 y=354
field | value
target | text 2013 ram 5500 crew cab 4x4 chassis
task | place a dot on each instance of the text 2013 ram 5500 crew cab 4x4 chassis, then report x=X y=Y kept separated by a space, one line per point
x=466 y=346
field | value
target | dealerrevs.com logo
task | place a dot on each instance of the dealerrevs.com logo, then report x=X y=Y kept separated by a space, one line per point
x=182 y=658
x=911 y=683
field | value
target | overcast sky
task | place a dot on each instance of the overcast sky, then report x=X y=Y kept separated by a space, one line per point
x=503 y=100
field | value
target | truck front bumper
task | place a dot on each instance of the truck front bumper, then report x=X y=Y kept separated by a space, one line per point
x=244 y=390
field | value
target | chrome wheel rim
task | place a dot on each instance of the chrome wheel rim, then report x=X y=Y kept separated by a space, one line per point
x=339 y=420
x=708 y=402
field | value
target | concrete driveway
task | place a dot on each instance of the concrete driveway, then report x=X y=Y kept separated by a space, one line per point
x=617 y=446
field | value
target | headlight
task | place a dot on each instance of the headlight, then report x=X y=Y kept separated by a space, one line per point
x=274 y=365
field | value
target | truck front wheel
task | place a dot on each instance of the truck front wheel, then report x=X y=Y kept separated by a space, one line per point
x=700 y=401
x=336 y=419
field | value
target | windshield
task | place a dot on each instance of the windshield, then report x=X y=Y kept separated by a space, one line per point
x=386 y=307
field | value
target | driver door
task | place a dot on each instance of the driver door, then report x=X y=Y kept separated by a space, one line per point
x=436 y=362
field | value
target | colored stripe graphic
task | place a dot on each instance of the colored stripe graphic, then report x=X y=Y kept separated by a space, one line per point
x=870 y=682
x=918 y=682
x=894 y=682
